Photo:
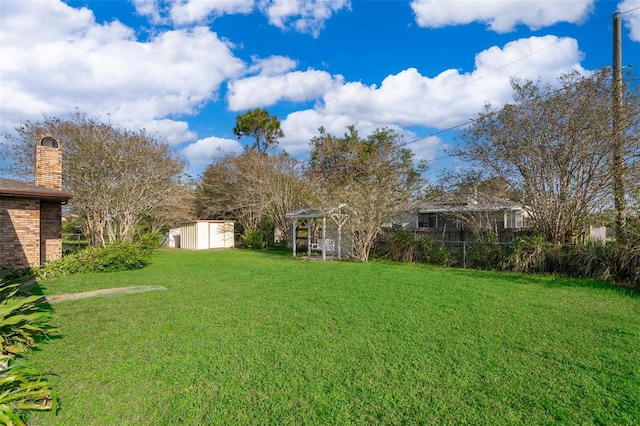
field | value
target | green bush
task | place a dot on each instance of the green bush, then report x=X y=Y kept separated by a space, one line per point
x=487 y=254
x=119 y=256
x=254 y=239
x=435 y=253
x=591 y=260
x=530 y=254
x=404 y=246
x=116 y=256
x=149 y=241
x=613 y=262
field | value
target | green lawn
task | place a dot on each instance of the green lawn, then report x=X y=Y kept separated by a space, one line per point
x=260 y=338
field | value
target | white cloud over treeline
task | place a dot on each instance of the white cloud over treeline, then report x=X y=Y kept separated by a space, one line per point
x=57 y=58
x=500 y=15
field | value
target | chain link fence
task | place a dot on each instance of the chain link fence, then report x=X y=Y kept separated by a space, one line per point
x=597 y=260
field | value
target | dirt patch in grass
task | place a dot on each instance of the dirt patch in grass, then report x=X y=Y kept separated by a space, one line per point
x=105 y=292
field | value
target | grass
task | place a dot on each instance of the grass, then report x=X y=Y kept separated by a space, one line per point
x=260 y=338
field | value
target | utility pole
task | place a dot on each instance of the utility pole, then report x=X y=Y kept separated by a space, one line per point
x=618 y=132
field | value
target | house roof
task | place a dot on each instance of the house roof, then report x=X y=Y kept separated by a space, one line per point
x=459 y=204
x=22 y=188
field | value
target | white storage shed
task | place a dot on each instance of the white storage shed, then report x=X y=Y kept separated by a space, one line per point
x=171 y=238
x=207 y=234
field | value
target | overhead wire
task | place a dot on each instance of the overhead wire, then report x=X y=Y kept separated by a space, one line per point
x=470 y=121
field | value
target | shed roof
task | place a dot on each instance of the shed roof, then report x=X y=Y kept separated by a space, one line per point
x=22 y=188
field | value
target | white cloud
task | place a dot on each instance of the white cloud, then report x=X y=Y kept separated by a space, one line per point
x=101 y=69
x=203 y=152
x=264 y=90
x=273 y=65
x=194 y=11
x=150 y=9
x=500 y=15
x=299 y=127
x=449 y=99
x=174 y=132
x=408 y=98
x=632 y=18
x=186 y=12
x=427 y=149
x=305 y=16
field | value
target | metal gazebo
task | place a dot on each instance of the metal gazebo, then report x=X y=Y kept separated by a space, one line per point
x=326 y=236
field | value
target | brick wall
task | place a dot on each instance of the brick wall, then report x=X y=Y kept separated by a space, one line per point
x=48 y=167
x=50 y=231
x=20 y=231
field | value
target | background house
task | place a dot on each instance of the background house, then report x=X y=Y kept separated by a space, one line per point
x=465 y=217
x=31 y=212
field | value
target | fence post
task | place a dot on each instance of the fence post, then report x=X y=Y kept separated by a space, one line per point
x=464 y=255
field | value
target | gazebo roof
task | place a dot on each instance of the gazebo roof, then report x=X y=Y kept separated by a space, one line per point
x=306 y=213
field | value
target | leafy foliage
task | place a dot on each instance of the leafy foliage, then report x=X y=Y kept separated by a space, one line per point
x=487 y=254
x=254 y=189
x=553 y=146
x=264 y=128
x=254 y=239
x=22 y=321
x=407 y=247
x=22 y=389
x=119 y=176
x=375 y=179
x=116 y=256
x=532 y=253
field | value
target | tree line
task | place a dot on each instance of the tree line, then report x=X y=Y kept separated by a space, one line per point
x=550 y=149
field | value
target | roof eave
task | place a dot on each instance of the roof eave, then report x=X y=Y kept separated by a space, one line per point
x=61 y=196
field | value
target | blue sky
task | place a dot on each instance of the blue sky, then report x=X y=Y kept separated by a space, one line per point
x=184 y=69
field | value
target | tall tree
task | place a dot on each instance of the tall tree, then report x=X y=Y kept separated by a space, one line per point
x=119 y=176
x=553 y=145
x=374 y=177
x=252 y=188
x=258 y=124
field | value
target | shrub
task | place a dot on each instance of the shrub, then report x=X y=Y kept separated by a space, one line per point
x=254 y=239
x=591 y=260
x=149 y=241
x=117 y=256
x=435 y=253
x=530 y=254
x=404 y=247
x=487 y=254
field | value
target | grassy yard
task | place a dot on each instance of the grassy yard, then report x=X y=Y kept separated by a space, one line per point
x=259 y=338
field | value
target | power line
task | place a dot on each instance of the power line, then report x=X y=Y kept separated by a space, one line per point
x=599 y=22
x=630 y=10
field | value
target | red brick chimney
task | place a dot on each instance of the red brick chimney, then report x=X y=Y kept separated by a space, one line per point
x=48 y=167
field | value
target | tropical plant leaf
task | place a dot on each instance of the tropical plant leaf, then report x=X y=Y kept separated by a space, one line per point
x=8 y=417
